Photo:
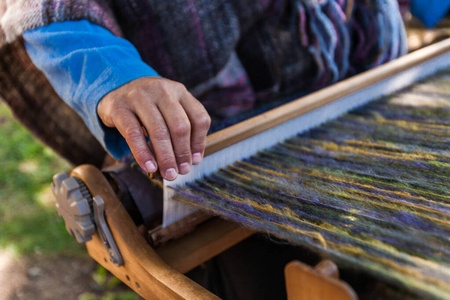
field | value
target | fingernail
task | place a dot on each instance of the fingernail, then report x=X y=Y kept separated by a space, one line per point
x=196 y=158
x=171 y=174
x=150 y=167
x=184 y=168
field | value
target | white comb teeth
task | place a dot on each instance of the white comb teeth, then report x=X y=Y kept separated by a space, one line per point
x=382 y=81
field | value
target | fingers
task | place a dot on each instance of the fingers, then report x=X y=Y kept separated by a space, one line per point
x=180 y=134
x=130 y=128
x=174 y=120
x=200 y=122
x=187 y=123
x=160 y=135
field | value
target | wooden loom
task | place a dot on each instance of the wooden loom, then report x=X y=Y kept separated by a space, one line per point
x=157 y=273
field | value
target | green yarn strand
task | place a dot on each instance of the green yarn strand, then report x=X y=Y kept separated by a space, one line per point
x=370 y=189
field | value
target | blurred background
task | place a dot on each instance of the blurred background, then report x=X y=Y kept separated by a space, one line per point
x=38 y=258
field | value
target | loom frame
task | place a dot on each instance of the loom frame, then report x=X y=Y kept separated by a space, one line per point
x=158 y=273
x=246 y=138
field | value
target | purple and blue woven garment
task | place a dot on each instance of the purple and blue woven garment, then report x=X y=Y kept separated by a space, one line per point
x=231 y=54
x=371 y=190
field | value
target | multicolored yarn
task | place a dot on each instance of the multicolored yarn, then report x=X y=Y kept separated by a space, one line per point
x=370 y=190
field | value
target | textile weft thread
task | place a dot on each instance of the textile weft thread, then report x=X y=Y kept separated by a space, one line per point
x=370 y=189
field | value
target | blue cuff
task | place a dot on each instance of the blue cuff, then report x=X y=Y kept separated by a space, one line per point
x=430 y=12
x=84 y=62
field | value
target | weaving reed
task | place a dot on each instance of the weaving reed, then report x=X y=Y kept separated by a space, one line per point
x=369 y=190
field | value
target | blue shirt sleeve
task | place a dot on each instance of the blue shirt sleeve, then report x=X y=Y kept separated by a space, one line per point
x=84 y=62
x=430 y=12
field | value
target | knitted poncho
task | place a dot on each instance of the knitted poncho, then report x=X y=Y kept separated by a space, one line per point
x=231 y=54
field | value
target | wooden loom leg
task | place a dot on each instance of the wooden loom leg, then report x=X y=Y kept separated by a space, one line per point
x=208 y=240
x=143 y=270
x=319 y=283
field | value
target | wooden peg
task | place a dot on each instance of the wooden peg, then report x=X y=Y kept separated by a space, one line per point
x=328 y=268
x=320 y=283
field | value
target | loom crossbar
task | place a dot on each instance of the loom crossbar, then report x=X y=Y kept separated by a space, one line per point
x=265 y=130
x=370 y=190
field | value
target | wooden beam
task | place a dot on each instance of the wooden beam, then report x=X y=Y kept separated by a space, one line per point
x=143 y=270
x=253 y=126
x=208 y=240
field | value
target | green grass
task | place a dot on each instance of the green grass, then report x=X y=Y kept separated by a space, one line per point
x=29 y=223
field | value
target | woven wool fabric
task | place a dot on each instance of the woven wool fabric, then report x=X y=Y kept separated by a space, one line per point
x=370 y=190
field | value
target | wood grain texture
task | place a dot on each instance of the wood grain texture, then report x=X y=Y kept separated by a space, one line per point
x=144 y=271
x=306 y=283
x=207 y=241
x=248 y=128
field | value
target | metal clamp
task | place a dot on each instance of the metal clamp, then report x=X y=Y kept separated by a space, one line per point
x=73 y=203
x=82 y=213
x=103 y=231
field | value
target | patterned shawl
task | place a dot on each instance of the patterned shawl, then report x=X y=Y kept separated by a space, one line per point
x=231 y=54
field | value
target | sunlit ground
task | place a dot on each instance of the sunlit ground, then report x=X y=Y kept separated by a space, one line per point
x=10 y=281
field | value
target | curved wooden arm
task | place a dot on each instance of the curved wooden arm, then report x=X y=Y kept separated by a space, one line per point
x=143 y=269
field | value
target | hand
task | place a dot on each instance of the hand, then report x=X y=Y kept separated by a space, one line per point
x=175 y=121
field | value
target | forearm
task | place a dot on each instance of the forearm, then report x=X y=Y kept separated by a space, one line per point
x=103 y=78
x=84 y=62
